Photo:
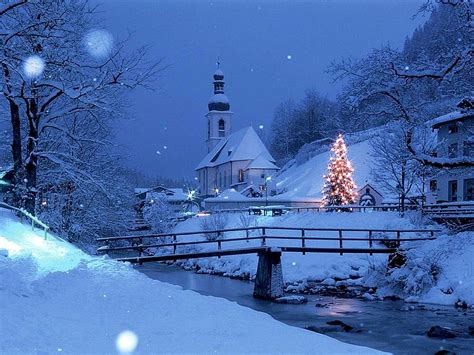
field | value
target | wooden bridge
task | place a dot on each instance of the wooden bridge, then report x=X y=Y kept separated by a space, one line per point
x=267 y=242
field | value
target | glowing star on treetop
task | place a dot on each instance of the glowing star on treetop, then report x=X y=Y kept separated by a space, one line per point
x=339 y=186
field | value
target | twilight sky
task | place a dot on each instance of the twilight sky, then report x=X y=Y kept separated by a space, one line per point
x=269 y=50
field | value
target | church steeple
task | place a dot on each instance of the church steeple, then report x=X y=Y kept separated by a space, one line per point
x=219 y=117
x=219 y=102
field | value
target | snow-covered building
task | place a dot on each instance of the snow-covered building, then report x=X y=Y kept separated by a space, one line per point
x=369 y=196
x=237 y=160
x=176 y=197
x=456 y=140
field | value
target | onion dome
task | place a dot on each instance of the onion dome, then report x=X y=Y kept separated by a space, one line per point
x=219 y=102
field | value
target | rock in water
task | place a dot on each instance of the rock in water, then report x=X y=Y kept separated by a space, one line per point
x=291 y=300
x=441 y=332
x=344 y=326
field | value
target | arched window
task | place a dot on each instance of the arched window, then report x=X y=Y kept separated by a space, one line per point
x=241 y=175
x=221 y=128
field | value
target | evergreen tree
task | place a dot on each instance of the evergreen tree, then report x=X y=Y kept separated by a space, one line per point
x=339 y=187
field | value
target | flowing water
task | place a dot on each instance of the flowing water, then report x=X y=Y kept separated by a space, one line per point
x=392 y=326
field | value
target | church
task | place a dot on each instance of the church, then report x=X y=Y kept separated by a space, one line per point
x=236 y=160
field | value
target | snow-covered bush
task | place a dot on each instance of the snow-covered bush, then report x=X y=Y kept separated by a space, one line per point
x=215 y=221
x=247 y=221
x=158 y=213
x=414 y=279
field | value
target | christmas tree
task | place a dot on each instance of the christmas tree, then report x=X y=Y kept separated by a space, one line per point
x=339 y=187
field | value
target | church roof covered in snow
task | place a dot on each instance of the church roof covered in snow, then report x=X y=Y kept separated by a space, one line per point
x=244 y=144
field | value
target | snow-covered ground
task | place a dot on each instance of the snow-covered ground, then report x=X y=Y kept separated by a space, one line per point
x=439 y=271
x=55 y=298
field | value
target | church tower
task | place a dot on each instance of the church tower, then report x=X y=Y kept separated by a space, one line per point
x=219 y=117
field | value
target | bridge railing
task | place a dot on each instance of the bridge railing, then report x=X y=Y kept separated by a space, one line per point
x=392 y=238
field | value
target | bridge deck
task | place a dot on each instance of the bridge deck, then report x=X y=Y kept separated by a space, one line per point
x=255 y=250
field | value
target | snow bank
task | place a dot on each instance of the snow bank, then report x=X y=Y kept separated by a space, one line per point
x=440 y=271
x=55 y=298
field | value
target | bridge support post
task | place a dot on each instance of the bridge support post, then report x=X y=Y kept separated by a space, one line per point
x=269 y=279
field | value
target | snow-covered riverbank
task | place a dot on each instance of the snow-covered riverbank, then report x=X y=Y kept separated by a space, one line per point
x=55 y=298
x=436 y=272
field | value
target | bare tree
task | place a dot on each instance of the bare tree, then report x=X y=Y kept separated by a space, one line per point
x=73 y=87
x=385 y=84
x=394 y=168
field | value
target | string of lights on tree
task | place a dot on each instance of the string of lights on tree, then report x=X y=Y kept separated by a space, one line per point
x=339 y=186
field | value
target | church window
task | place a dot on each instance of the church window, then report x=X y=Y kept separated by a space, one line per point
x=221 y=128
x=241 y=175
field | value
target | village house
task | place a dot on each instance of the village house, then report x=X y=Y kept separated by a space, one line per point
x=455 y=133
x=235 y=160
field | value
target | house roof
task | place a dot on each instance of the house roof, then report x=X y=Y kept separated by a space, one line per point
x=261 y=162
x=451 y=117
x=369 y=184
x=244 y=144
x=229 y=195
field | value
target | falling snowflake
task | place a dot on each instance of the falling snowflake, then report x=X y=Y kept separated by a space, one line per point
x=33 y=66
x=158 y=152
x=288 y=56
x=261 y=126
x=165 y=147
x=99 y=43
x=126 y=342
x=293 y=263
x=407 y=67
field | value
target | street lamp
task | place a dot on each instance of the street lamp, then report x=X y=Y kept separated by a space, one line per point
x=267 y=179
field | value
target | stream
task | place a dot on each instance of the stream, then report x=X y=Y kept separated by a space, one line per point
x=392 y=326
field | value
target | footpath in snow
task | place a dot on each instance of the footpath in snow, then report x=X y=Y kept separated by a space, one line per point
x=55 y=298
